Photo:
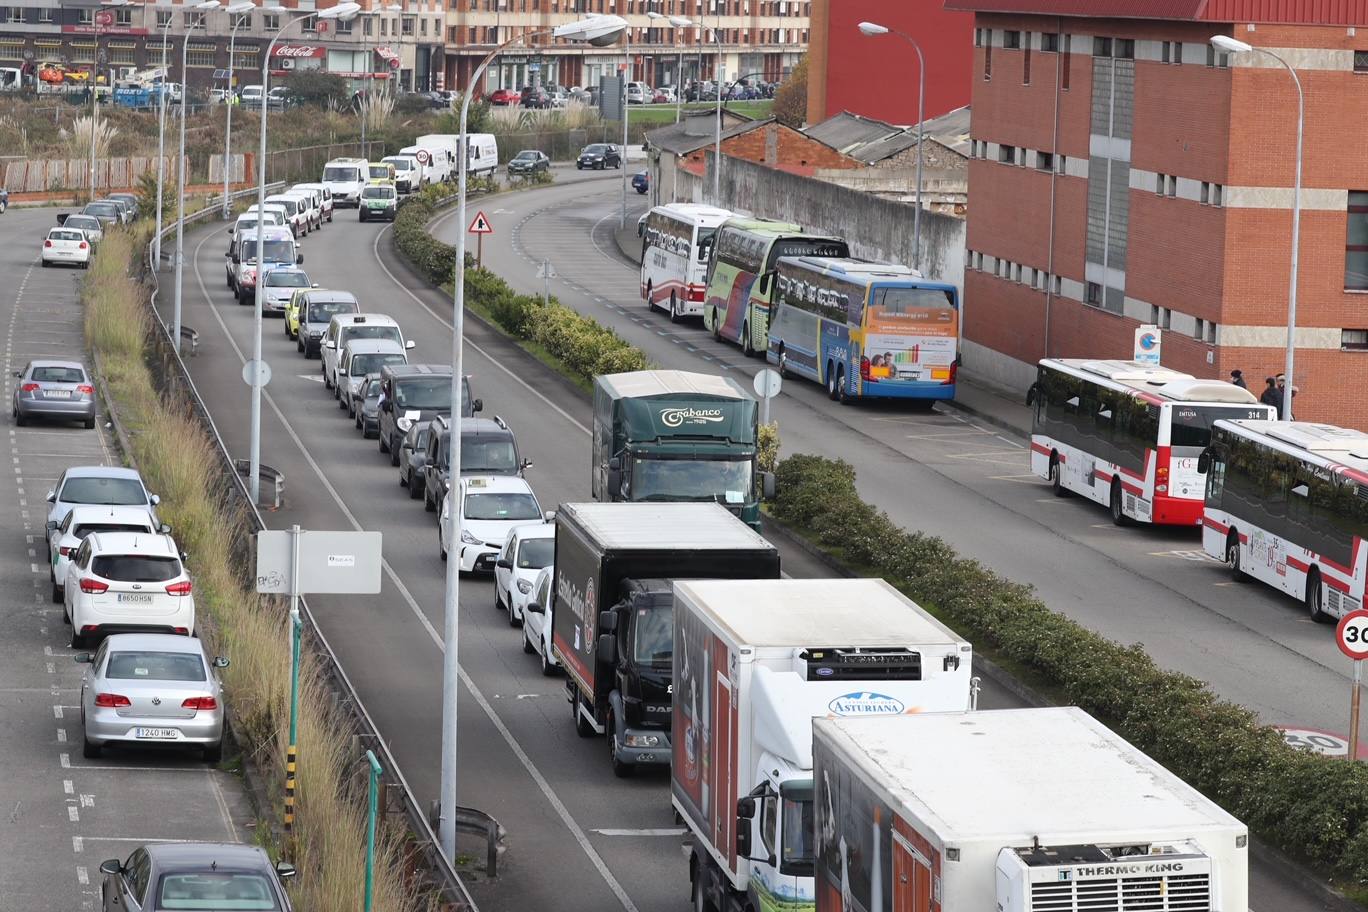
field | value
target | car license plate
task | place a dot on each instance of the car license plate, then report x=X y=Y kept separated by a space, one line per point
x=158 y=734
x=141 y=598
x=57 y=394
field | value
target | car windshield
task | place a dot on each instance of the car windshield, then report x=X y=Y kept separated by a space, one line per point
x=690 y=479
x=426 y=393
x=526 y=156
x=59 y=235
x=379 y=172
x=373 y=389
x=400 y=164
x=506 y=506
x=85 y=529
x=653 y=641
x=323 y=311
x=371 y=364
x=378 y=193
x=228 y=891
x=107 y=209
x=371 y=331
x=272 y=251
x=288 y=280
x=488 y=456
x=336 y=173
x=135 y=568
x=536 y=553
x=83 y=222
x=111 y=491
x=594 y=150
x=155 y=666
x=58 y=375
x=243 y=223
x=290 y=206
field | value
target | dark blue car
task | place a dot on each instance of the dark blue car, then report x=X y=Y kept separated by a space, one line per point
x=641 y=181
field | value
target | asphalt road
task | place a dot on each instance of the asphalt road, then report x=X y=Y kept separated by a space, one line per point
x=61 y=815
x=578 y=837
x=949 y=475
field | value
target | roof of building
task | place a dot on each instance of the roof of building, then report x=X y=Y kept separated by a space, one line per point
x=1303 y=12
x=869 y=140
x=686 y=136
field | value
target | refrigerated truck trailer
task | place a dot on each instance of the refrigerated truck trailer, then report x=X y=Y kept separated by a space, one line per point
x=1017 y=810
x=611 y=628
x=755 y=662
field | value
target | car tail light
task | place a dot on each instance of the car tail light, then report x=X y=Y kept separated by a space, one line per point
x=181 y=588
x=83 y=245
x=198 y=703
x=954 y=369
x=30 y=387
x=864 y=369
x=86 y=388
x=181 y=631
x=93 y=586
x=112 y=701
x=64 y=551
x=47 y=243
x=695 y=293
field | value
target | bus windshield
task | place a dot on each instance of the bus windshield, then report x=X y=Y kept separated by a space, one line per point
x=690 y=479
x=1191 y=424
x=897 y=302
x=703 y=243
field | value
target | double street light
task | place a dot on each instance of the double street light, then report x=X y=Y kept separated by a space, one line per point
x=873 y=29
x=1235 y=46
x=684 y=22
x=236 y=10
x=599 y=31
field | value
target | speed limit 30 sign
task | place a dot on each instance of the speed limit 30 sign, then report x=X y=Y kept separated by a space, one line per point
x=1352 y=634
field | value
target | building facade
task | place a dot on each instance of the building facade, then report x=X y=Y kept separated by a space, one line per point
x=877 y=76
x=1124 y=172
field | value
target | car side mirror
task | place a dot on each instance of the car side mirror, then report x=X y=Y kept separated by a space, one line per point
x=284 y=870
x=504 y=563
x=745 y=809
x=1031 y=393
x=220 y=661
x=164 y=528
x=524 y=465
x=19 y=375
x=409 y=344
x=477 y=405
x=341 y=372
x=82 y=658
x=607 y=653
x=112 y=866
x=299 y=259
x=767 y=485
x=51 y=525
x=1204 y=462
x=51 y=496
x=534 y=608
x=184 y=556
x=155 y=499
x=314 y=285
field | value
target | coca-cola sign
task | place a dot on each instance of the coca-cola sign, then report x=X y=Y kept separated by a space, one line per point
x=298 y=51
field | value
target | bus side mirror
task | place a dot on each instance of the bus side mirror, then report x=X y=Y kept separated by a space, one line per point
x=614 y=476
x=745 y=811
x=1204 y=462
x=1031 y=394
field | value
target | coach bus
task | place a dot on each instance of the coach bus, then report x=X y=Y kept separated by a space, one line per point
x=676 y=243
x=864 y=330
x=1287 y=504
x=741 y=276
x=1128 y=435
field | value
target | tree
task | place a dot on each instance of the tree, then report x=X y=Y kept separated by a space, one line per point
x=317 y=89
x=790 y=99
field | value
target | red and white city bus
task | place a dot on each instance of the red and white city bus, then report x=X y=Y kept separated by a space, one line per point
x=1287 y=504
x=1128 y=435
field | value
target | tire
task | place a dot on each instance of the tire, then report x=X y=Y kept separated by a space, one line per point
x=717 y=326
x=90 y=750
x=1315 y=598
x=746 y=349
x=674 y=309
x=1118 y=513
x=1234 y=558
x=650 y=297
x=831 y=381
x=19 y=419
x=299 y=344
x=783 y=363
x=700 y=902
x=620 y=769
x=547 y=669
x=362 y=216
x=327 y=384
x=393 y=450
x=527 y=643
x=441 y=548
x=213 y=753
x=46 y=264
x=413 y=491
x=57 y=594
x=77 y=641
x=841 y=396
x=1056 y=479
x=582 y=728
x=359 y=424
x=428 y=505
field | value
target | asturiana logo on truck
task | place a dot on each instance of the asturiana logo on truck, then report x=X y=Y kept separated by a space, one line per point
x=866 y=703
x=674 y=417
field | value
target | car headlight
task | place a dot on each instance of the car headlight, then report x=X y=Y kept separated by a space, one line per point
x=404 y=423
x=524 y=586
x=642 y=741
x=315 y=334
x=469 y=539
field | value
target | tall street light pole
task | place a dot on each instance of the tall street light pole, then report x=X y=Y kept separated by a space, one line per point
x=341 y=11
x=236 y=10
x=598 y=31
x=1234 y=46
x=95 y=84
x=161 y=135
x=872 y=29
x=367 y=79
x=201 y=9
x=683 y=22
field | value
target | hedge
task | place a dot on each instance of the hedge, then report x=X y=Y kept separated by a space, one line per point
x=1309 y=805
x=585 y=346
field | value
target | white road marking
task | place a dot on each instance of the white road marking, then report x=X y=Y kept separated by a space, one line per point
x=661 y=831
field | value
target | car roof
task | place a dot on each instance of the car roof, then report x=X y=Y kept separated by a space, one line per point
x=183 y=855
x=402 y=371
x=102 y=471
x=156 y=544
x=273 y=233
x=373 y=346
x=161 y=642
x=531 y=530
x=111 y=512
x=318 y=295
x=376 y=318
x=496 y=484
x=50 y=363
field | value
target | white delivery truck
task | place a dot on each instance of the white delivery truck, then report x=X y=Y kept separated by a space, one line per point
x=484 y=154
x=444 y=149
x=755 y=661
x=1016 y=810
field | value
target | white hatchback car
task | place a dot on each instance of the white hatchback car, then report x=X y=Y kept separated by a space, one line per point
x=66 y=245
x=65 y=538
x=125 y=582
x=537 y=620
x=528 y=549
x=491 y=506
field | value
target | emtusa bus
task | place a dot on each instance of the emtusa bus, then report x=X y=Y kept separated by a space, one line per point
x=741 y=277
x=864 y=329
x=1128 y=435
x=676 y=242
x=1287 y=504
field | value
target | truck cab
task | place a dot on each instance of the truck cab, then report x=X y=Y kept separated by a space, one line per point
x=636 y=640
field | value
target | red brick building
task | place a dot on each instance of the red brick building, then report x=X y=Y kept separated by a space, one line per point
x=1125 y=172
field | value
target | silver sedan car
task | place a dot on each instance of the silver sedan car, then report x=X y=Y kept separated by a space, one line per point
x=152 y=689
x=58 y=390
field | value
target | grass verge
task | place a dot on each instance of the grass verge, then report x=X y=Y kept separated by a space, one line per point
x=660 y=114
x=179 y=460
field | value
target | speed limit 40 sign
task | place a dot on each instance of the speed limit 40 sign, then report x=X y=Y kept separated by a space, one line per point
x=1352 y=634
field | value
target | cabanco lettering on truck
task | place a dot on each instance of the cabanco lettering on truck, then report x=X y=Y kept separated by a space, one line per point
x=674 y=417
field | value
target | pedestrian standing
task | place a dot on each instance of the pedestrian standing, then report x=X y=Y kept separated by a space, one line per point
x=1271 y=395
x=1237 y=378
x=1282 y=395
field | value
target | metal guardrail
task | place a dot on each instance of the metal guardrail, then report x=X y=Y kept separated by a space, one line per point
x=447 y=881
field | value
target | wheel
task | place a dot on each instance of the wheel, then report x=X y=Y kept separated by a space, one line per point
x=841 y=396
x=700 y=901
x=299 y=344
x=831 y=381
x=362 y=216
x=394 y=451
x=1118 y=512
x=360 y=425
x=228 y=280
x=746 y=348
x=547 y=669
x=383 y=443
x=413 y=491
x=621 y=769
x=57 y=594
x=77 y=641
x=327 y=384
x=582 y=727
x=429 y=505
x=90 y=750
x=650 y=297
x=213 y=753
x=527 y=643
x=441 y=545
x=1234 y=558
x=19 y=419
x=717 y=326
x=674 y=308
x=1315 y=597
x=1056 y=479
x=513 y=621
x=46 y=264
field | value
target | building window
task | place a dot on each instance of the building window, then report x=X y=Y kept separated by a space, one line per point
x=1068 y=63
x=1058 y=285
x=1177 y=53
x=1165 y=318
x=1060 y=165
x=1216 y=58
x=1102 y=47
x=978 y=37
x=1206 y=193
x=1007 y=155
x=1211 y=332
x=245 y=58
x=384 y=28
x=1354 y=339
x=193 y=21
x=368 y=28
x=1045 y=161
x=1166 y=52
x=1172 y=186
x=1159 y=184
x=45 y=15
x=988 y=57
x=1049 y=42
x=1356 y=244
x=269 y=21
x=422 y=26
x=1035 y=277
x=83 y=51
x=199 y=55
x=1124 y=48
x=1011 y=40
x=1361 y=61
x=1154 y=314
x=344 y=26
x=1199 y=330
x=83 y=16
x=1016 y=272
x=408 y=26
x=1093 y=294
x=122 y=52
x=123 y=17
x=11 y=48
x=1026 y=62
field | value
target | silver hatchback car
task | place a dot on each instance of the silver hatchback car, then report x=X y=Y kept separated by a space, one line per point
x=152 y=689
x=59 y=390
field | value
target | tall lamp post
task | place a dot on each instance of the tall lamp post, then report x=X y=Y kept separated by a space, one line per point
x=873 y=29
x=161 y=130
x=235 y=10
x=95 y=84
x=1234 y=46
x=684 y=22
x=341 y=11
x=200 y=9
x=367 y=80
x=598 y=31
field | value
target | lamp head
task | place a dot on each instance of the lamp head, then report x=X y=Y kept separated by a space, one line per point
x=207 y=5
x=343 y=11
x=597 y=31
x=1230 y=45
x=237 y=9
x=682 y=22
x=652 y=14
x=872 y=28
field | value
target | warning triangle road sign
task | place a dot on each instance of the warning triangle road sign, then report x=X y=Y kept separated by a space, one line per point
x=480 y=225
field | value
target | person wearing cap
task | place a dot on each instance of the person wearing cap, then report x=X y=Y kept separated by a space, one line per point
x=1237 y=378
x=1282 y=393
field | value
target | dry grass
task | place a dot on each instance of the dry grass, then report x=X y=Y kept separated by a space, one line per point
x=77 y=137
x=330 y=822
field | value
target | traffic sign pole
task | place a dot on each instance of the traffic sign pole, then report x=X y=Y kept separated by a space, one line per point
x=1351 y=635
x=1354 y=709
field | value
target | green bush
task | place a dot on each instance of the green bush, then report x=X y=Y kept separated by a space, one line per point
x=1314 y=807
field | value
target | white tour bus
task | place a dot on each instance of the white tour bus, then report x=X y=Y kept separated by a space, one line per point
x=676 y=243
x=1287 y=504
x=1128 y=435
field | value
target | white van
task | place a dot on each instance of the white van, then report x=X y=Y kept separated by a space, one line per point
x=435 y=163
x=345 y=177
x=408 y=173
x=445 y=149
x=346 y=327
x=484 y=154
x=312 y=203
x=296 y=212
x=325 y=197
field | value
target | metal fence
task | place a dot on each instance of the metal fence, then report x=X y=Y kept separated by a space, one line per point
x=305 y=163
x=560 y=145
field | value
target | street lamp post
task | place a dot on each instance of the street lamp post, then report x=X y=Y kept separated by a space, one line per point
x=1235 y=46
x=235 y=10
x=683 y=22
x=873 y=29
x=598 y=31
x=341 y=11
x=201 y=9
x=95 y=86
x=161 y=133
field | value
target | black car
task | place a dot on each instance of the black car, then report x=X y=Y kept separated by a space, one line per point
x=194 y=876
x=368 y=406
x=487 y=448
x=599 y=156
x=529 y=161
x=415 y=394
x=535 y=97
x=412 y=456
